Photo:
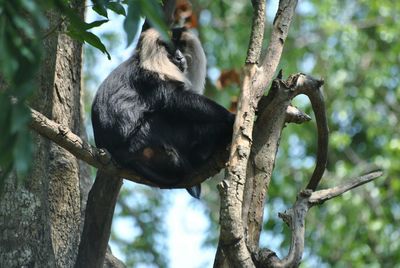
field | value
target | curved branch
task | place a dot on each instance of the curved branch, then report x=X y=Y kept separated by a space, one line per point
x=318 y=106
x=312 y=89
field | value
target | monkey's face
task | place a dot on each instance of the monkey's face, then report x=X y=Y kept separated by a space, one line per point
x=175 y=54
x=179 y=60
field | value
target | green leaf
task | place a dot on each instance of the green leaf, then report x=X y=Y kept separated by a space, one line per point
x=94 y=24
x=153 y=12
x=101 y=10
x=89 y=38
x=73 y=33
x=117 y=8
x=132 y=21
x=95 y=41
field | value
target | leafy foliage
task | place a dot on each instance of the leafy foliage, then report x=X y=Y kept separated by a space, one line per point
x=18 y=63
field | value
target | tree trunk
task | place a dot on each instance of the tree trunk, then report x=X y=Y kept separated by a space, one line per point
x=40 y=218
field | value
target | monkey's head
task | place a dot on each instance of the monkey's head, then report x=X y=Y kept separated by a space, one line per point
x=182 y=60
x=190 y=45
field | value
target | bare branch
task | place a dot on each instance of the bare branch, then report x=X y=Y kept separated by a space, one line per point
x=280 y=30
x=259 y=79
x=295 y=219
x=257 y=32
x=233 y=251
x=267 y=133
x=293 y=115
x=311 y=87
x=321 y=196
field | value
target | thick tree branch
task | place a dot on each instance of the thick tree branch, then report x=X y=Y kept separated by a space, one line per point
x=257 y=32
x=280 y=30
x=267 y=133
x=98 y=218
x=102 y=160
x=295 y=219
x=255 y=80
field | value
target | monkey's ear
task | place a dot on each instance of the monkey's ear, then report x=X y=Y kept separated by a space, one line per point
x=195 y=191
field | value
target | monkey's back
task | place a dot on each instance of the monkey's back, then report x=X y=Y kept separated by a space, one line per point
x=117 y=108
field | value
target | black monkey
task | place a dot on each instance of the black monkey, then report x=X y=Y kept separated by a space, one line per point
x=149 y=114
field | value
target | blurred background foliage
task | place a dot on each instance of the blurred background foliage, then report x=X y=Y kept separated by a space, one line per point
x=353 y=45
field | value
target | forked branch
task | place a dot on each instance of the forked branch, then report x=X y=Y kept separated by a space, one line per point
x=295 y=219
x=232 y=245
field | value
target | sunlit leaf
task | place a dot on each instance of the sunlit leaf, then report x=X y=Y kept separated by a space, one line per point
x=117 y=8
x=94 y=24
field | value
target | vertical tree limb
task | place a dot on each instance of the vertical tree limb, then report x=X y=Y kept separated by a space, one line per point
x=256 y=79
x=98 y=218
x=267 y=133
x=269 y=126
x=257 y=32
x=232 y=240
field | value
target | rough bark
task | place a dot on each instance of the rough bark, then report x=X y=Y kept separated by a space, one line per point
x=40 y=219
x=256 y=79
x=99 y=213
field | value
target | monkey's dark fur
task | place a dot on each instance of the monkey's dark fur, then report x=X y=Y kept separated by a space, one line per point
x=148 y=116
